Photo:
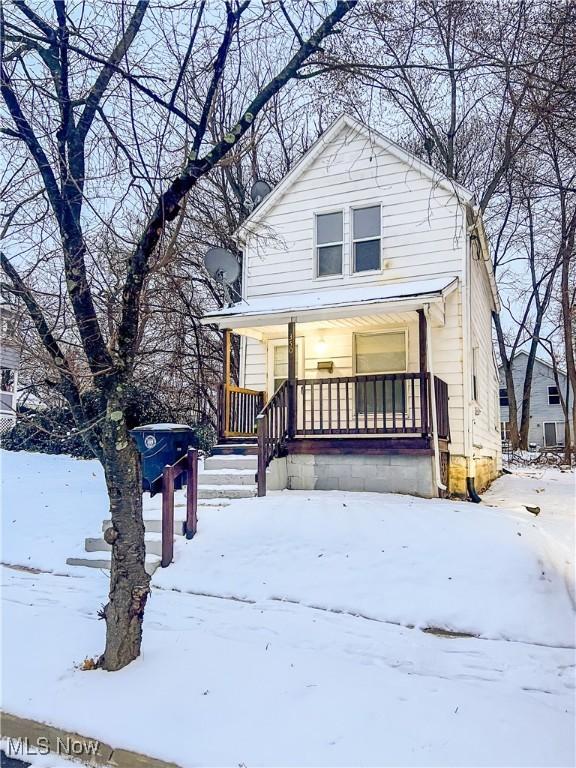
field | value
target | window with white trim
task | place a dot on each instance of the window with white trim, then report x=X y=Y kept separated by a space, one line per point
x=504 y=397
x=553 y=396
x=366 y=239
x=329 y=243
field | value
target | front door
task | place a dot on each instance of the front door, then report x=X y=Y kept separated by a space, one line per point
x=278 y=362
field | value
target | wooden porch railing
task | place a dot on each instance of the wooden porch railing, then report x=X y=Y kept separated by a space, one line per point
x=442 y=420
x=272 y=432
x=391 y=403
x=188 y=464
x=238 y=408
x=376 y=404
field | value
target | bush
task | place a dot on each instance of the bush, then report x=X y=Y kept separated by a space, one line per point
x=52 y=430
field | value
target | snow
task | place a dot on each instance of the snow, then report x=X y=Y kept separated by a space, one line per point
x=289 y=630
x=345 y=297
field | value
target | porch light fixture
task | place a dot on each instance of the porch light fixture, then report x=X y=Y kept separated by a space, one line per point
x=321 y=345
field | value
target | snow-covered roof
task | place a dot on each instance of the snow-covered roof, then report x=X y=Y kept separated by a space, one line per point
x=347 y=121
x=309 y=303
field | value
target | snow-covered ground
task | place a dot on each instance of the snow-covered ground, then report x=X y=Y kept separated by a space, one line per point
x=290 y=630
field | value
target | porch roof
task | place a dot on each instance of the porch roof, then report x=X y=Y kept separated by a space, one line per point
x=326 y=304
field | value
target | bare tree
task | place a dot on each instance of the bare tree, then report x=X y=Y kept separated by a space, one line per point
x=86 y=121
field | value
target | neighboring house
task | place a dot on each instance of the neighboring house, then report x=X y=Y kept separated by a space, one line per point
x=546 y=416
x=9 y=364
x=365 y=327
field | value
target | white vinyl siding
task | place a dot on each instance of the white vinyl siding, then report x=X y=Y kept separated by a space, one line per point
x=422 y=225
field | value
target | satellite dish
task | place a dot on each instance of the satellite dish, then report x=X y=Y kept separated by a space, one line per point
x=222 y=265
x=260 y=190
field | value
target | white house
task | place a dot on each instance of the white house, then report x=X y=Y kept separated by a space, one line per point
x=365 y=325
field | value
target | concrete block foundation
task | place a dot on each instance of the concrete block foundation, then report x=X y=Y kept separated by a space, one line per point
x=381 y=474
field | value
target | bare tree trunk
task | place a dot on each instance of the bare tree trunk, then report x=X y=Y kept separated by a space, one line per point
x=507 y=366
x=129 y=582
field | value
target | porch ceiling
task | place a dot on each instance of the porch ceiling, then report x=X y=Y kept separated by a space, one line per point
x=344 y=308
x=317 y=326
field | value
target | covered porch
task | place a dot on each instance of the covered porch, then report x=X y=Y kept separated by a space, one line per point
x=348 y=378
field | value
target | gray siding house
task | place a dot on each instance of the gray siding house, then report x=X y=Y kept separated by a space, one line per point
x=546 y=416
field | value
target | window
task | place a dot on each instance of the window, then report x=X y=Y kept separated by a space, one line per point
x=553 y=433
x=380 y=353
x=329 y=242
x=366 y=238
x=553 y=396
x=475 y=354
x=505 y=431
x=503 y=397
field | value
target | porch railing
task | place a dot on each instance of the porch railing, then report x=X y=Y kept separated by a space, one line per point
x=442 y=420
x=272 y=432
x=238 y=408
x=359 y=405
x=375 y=404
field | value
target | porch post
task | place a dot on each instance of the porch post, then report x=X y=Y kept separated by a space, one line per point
x=422 y=332
x=226 y=349
x=291 y=379
x=423 y=366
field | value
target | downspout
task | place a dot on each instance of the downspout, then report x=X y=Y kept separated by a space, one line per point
x=466 y=346
x=430 y=358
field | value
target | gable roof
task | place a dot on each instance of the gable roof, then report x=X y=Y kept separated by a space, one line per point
x=343 y=122
x=538 y=359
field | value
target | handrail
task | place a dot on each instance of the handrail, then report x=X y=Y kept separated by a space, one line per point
x=188 y=464
x=272 y=427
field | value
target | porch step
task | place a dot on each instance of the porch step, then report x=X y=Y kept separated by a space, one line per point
x=227 y=477
x=103 y=560
x=236 y=491
x=153 y=543
x=235 y=449
x=231 y=461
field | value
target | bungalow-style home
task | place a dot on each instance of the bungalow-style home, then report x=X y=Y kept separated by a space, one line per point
x=546 y=426
x=366 y=358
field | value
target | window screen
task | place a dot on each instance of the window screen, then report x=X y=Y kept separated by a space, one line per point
x=329 y=240
x=380 y=353
x=366 y=238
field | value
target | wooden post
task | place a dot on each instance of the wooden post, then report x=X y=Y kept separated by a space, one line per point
x=422 y=340
x=262 y=428
x=226 y=350
x=167 y=516
x=291 y=379
x=191 y=524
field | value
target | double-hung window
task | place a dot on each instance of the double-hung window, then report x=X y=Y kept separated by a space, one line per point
x=366 y=242
x=553 y=396
x=504 y=397
x=329 y=243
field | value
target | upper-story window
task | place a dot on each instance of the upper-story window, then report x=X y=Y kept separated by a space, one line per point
x=329 y=243
x=504 y=397
x=553 y=396
x=366 y=243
